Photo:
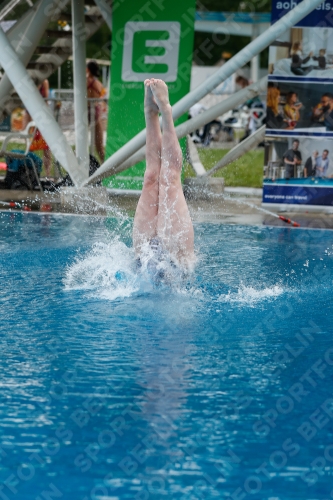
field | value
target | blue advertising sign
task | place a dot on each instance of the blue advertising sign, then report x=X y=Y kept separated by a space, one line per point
x=298 y=193
x=322 y=16
x=299 y=124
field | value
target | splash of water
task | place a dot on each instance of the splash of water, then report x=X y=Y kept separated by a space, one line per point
x=109 y=271
x=106 y=271
x=247 y=295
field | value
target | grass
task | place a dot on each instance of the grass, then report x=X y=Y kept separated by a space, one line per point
x=246 y=171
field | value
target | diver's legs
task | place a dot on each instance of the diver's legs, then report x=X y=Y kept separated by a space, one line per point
x=174 y=225
x=145 y=220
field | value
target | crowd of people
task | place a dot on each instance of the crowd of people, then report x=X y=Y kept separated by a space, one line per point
x=315 y=166
x=282 y=116
x=95 y=90
x=285 y=112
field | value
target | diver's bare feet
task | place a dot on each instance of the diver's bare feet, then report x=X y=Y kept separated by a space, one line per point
x=150 y=103
x=161 y=94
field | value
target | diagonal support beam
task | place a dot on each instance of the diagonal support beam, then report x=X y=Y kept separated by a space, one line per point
x=38 y=109
x=228 y=69
x=203 y=118
x=105 y=10
x=80 y=87
x=28 y=39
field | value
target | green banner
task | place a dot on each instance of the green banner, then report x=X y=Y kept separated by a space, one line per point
x=149 y=40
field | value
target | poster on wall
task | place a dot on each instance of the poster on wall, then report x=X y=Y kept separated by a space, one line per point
x=298 y=167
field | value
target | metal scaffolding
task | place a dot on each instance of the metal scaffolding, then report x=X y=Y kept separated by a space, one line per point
x=229 y=68
x=203 y=118
x=34 y=28
x=14 y=65
x=39 y=110
x=80 y=87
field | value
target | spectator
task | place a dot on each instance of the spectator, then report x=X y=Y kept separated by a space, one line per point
x=310 y=165
x=38 y=142
x=292 y=157
x=256 y=107
x=322 y=164
x=297 y=60
x=273 y=119
x=322 y=113
x=205 y=137
x=96 y=90
x=194 y=111
x=291 y=109
x=242 y=81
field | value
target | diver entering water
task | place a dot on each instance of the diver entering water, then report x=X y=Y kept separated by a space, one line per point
x=162 y=223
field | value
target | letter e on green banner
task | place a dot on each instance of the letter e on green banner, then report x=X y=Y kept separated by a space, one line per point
x=150 y=39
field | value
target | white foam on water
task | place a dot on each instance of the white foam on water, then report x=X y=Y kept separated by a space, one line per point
x=106 y=271
x=247 y=295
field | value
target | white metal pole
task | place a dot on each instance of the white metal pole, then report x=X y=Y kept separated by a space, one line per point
x=38 y=109
x=80 y=86
x=200 y=120
x=238 y=61
x=255 y=61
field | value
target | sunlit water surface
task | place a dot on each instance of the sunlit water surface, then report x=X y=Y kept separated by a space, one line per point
x=112 y=388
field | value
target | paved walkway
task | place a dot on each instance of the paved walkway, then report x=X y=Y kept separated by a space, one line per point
x=238 y=205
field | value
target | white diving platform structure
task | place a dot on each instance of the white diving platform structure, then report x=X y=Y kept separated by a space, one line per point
x=22 y=74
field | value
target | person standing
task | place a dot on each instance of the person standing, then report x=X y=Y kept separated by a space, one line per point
x=292 y=157
x=322 y=164
x=194 y=111
x=95 y=90
x=310 y=165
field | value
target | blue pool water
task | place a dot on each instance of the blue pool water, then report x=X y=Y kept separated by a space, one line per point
x=219 y=387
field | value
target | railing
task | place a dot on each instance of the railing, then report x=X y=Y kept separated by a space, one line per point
x=63 y=109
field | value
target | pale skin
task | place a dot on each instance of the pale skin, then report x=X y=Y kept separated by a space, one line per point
x=162 y=211
x=94 y=91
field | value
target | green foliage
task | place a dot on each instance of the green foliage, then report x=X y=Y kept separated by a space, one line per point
x=98 y=46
